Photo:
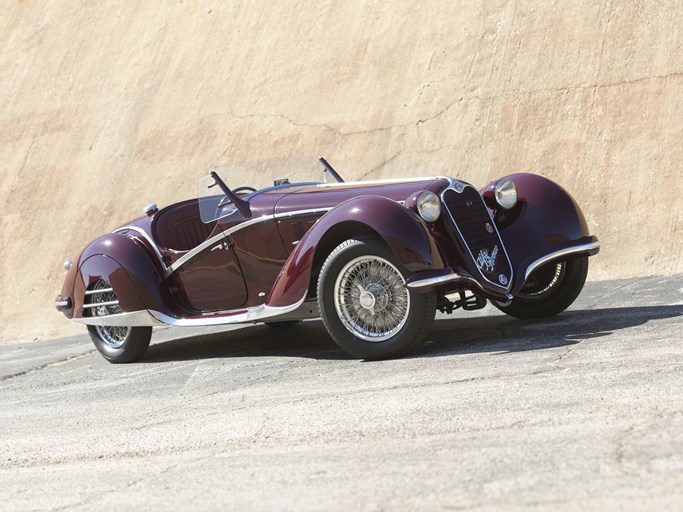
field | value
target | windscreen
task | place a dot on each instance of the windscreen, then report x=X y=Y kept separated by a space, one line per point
x=259 y=175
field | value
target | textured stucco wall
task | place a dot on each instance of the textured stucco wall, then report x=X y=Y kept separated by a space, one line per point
x=106 y=106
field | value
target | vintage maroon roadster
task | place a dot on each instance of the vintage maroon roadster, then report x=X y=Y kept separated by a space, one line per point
x=373 y=259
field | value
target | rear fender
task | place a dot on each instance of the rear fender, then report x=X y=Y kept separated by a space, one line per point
x=546 y=221
x=403 y=232
x=135 y=277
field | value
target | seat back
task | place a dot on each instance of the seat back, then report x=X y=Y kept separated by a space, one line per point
x=179 y=226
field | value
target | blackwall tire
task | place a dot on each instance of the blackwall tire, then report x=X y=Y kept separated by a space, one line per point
x=118 y=344
x=550 y=290
x=133 y=343
x=364 y=304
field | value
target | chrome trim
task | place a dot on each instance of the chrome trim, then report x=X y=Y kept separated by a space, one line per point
x=434 y=281
x=458 y=187
x=193 y=252
x=252 y=314
x=559 y=254
x=296 y=213
x=150 y=208
x=98 y=304
x=168 y=270
x=211 y=241
x=145 y=318
x=61 y=303
x=95 y=292
x=132 y=319
x=374 y=182
x=496 y=191
x=67 y=264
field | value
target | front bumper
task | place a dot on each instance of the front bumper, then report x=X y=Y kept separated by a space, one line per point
x=447 y=278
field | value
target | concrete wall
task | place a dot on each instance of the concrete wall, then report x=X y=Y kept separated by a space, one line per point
x=106 y=106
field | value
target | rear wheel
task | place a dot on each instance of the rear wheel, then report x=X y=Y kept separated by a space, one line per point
x=364 y=302
x=118 y=344
x=549 y=290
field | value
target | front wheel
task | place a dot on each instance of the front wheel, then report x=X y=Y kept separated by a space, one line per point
x=364 y=302
x=549 y=290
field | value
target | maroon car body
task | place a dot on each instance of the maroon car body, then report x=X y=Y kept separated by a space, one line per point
x=262 y=262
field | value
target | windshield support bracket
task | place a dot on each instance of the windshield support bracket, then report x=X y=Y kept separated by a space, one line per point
x=240 y=204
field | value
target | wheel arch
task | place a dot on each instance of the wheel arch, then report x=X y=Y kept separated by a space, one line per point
x=331 y=239
x=401 y=230
x=546 y=224
x=128 y=268
x=101 y=267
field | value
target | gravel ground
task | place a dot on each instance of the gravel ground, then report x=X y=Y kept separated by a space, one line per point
x=582 y=411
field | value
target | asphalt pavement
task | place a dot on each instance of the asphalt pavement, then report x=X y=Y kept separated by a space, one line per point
x=582 y=411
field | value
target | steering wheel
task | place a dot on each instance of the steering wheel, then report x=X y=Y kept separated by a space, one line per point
x=244 y=189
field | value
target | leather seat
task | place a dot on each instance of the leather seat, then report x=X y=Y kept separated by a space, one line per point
x=180 y=228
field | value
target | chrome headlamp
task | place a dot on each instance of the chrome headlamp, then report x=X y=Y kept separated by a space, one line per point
x=428 y=206
x=506 y=194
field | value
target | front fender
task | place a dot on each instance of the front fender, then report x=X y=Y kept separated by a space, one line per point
x=546 y=221
x=403 y=232
x=135 y=277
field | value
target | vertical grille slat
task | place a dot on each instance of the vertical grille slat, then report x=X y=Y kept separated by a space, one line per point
x=471 y=217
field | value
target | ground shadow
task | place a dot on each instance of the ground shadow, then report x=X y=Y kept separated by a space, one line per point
x=495 y=333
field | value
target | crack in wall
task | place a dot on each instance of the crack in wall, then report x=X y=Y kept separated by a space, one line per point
x=424 y=120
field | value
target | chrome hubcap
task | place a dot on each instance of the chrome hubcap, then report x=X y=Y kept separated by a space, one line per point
x=367 y=300
x=371 y=299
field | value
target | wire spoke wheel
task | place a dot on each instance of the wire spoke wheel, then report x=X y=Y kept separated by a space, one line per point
x=364 y=302
x=117 y=343
x=543 y=281
x=115 y=337
x=549 y=290
x=371 y=298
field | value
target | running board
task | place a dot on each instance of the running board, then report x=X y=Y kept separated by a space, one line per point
x=146 y=318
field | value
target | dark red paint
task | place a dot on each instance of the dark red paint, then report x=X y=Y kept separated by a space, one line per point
x=276 y=260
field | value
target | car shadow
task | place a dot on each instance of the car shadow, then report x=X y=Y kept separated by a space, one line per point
x=497 y=334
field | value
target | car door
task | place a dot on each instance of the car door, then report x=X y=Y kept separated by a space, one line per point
x=212 y=279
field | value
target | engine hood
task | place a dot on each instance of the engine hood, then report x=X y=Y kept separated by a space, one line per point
x=328 y=195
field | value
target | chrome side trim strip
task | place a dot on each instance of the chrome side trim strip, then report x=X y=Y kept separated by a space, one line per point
x=220 y=236
x=252 y=314
x=193 y=252
x=373 y=182
x=95 y=292
x=132 y=319
x=212 y=241
x=145 y=318
x=433 y=281
x=593 y=246
x=296 y=213
x=98 y=304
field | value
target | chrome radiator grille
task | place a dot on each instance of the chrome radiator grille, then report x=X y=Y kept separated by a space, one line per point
x=476 y=231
